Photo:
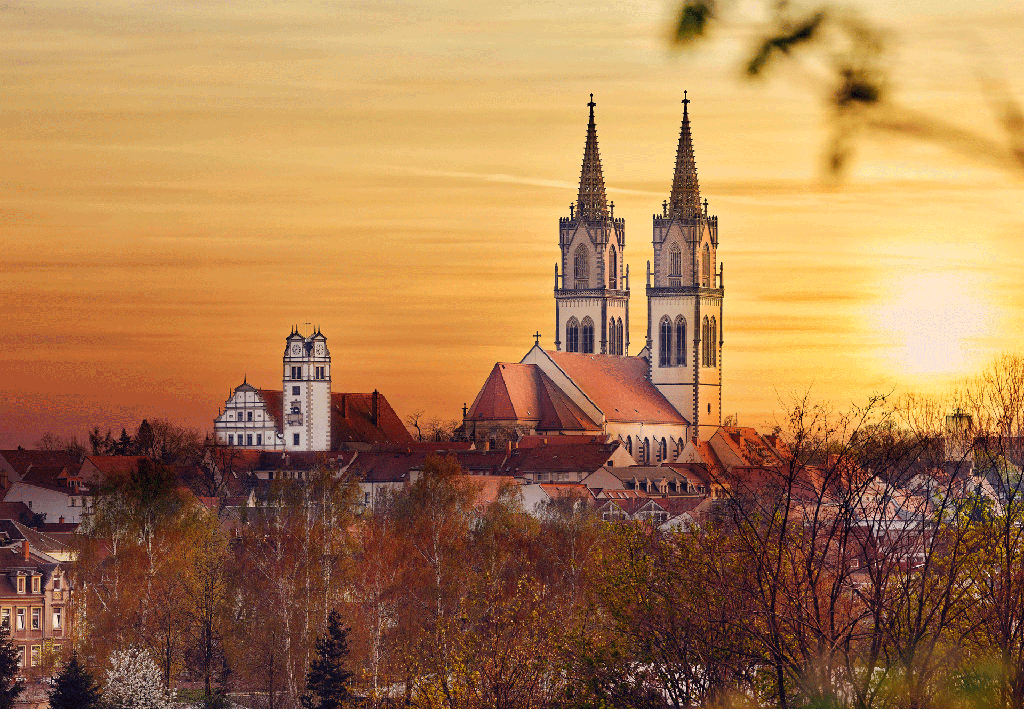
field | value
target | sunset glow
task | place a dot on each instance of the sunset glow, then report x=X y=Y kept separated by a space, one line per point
x=182 y=183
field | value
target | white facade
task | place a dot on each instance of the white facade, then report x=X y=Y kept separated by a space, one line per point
x=307 y=393
x=246 y=422
x=54 y=503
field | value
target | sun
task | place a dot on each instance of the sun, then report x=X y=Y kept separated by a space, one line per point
x=933 y=322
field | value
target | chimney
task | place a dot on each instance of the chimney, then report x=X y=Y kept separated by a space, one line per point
x=60 y=520
x=374 y=407
x=487 y=446
x=25 y=550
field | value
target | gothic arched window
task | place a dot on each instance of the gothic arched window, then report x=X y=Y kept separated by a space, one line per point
x=641 y=451
x=613 y=269
x=629 y=445
x=705 y=339
x=572 y=335
x=665 y=343
x=675 y=264
x=706 y=267
x=713 y=344
x=663 y=450
x=582 y=267
x=620 y=337
x=680 y=340
x=588 y=336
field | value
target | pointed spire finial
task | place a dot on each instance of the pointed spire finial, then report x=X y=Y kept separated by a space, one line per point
x=684 y=203
x=592 y=201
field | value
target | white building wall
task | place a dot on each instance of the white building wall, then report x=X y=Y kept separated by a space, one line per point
x=246 y=422
x=307 y=393
x=52 y=503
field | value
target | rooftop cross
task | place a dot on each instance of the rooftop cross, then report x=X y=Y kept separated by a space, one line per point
x=536 y=337
x=686 y=101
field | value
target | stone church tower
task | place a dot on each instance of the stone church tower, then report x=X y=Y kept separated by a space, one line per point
x=592 y=290
x=307 y=393
x=684 y=296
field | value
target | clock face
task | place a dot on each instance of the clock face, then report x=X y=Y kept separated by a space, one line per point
x=296 y=349
x=320 y=349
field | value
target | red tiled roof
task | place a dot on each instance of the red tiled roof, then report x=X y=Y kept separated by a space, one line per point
x=352 y=421
x=115 y=464
x=557 y=490
x=274 y=400
x=21 y=460
x=522 y=392
x=572 y=440
x=439 y=446
x=584 y=457
x=618 y=386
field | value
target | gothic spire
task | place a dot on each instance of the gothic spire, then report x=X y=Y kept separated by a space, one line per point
x=685 y=199
x=593 y=205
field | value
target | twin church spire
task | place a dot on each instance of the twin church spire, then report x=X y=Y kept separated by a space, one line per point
x=592 y=203
x=684 y=202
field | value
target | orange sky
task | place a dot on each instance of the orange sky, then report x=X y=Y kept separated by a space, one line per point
x=182 y=182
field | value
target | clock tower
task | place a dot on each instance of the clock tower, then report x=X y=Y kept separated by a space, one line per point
x=307 y=392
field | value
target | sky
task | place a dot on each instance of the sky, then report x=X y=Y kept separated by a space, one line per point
x=181 y=183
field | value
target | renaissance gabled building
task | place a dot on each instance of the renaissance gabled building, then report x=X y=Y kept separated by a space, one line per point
x=670 y=391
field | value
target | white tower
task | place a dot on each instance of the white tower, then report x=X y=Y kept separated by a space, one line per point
x=307 y=392
x=592 y=300
x=684 y=298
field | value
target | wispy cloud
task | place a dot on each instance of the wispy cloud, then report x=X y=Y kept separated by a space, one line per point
x=508 y=179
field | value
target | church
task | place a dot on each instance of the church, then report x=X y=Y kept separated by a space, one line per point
x=670 y=392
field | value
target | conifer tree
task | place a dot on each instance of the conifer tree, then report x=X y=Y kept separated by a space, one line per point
x=75 y=687
x=10 y=686
x=328 y=683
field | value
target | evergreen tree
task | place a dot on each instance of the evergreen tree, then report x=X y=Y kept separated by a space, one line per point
x=328 y=681
x=75 y=688
x=10 y=660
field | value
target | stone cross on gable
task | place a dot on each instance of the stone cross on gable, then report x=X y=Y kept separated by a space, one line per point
x=536 y=338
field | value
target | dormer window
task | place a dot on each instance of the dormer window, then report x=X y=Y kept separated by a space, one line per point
x=56 y=583
x=21 y=584
x=36 y=583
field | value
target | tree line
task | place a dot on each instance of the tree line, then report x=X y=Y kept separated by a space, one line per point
x=878 y=563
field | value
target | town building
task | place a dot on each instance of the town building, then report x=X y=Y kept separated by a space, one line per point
x=304 y=415
x=670 y=392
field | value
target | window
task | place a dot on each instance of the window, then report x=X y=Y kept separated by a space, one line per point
x=641 y=451
x=5 y=617
x=706 y=267
x=621 y=337
x=665 y=343
x=321 y=372
x=629 y=445
x=680 y=353
x=21 y=584
x=296 y=372
x=714 y=342
x=35 y=654
x=36 y=582
x=72 y=504
x=675 y=260
x=572 y=336
x=295 y=439
x=366 y=498
x=705 y=339
x=21 y=656
x=296 y=390
x=663 y=453
x=249 y=415
x=20 y=619
x=231 y=439
x=37 y=617
x=588 y=336
x=259 y=439
x=56 y=583
x=582 y=267
x=613 y=269
x=248 y=439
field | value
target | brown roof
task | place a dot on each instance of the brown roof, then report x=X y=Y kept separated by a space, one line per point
x=352 y=421
x=115 y=464
x=274 y=400
x=618 y=386
x=585 y=456
x=522 y=392
x=533 y=441
x=21 y=460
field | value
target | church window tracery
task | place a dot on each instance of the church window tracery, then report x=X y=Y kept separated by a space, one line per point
x=713 y=343
x=588 y=336
x=572 y=335
x=665 y=343
x=680 y=341
x=582 y=267
x=613 y=270
x=675 y=265
x=706 y=267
